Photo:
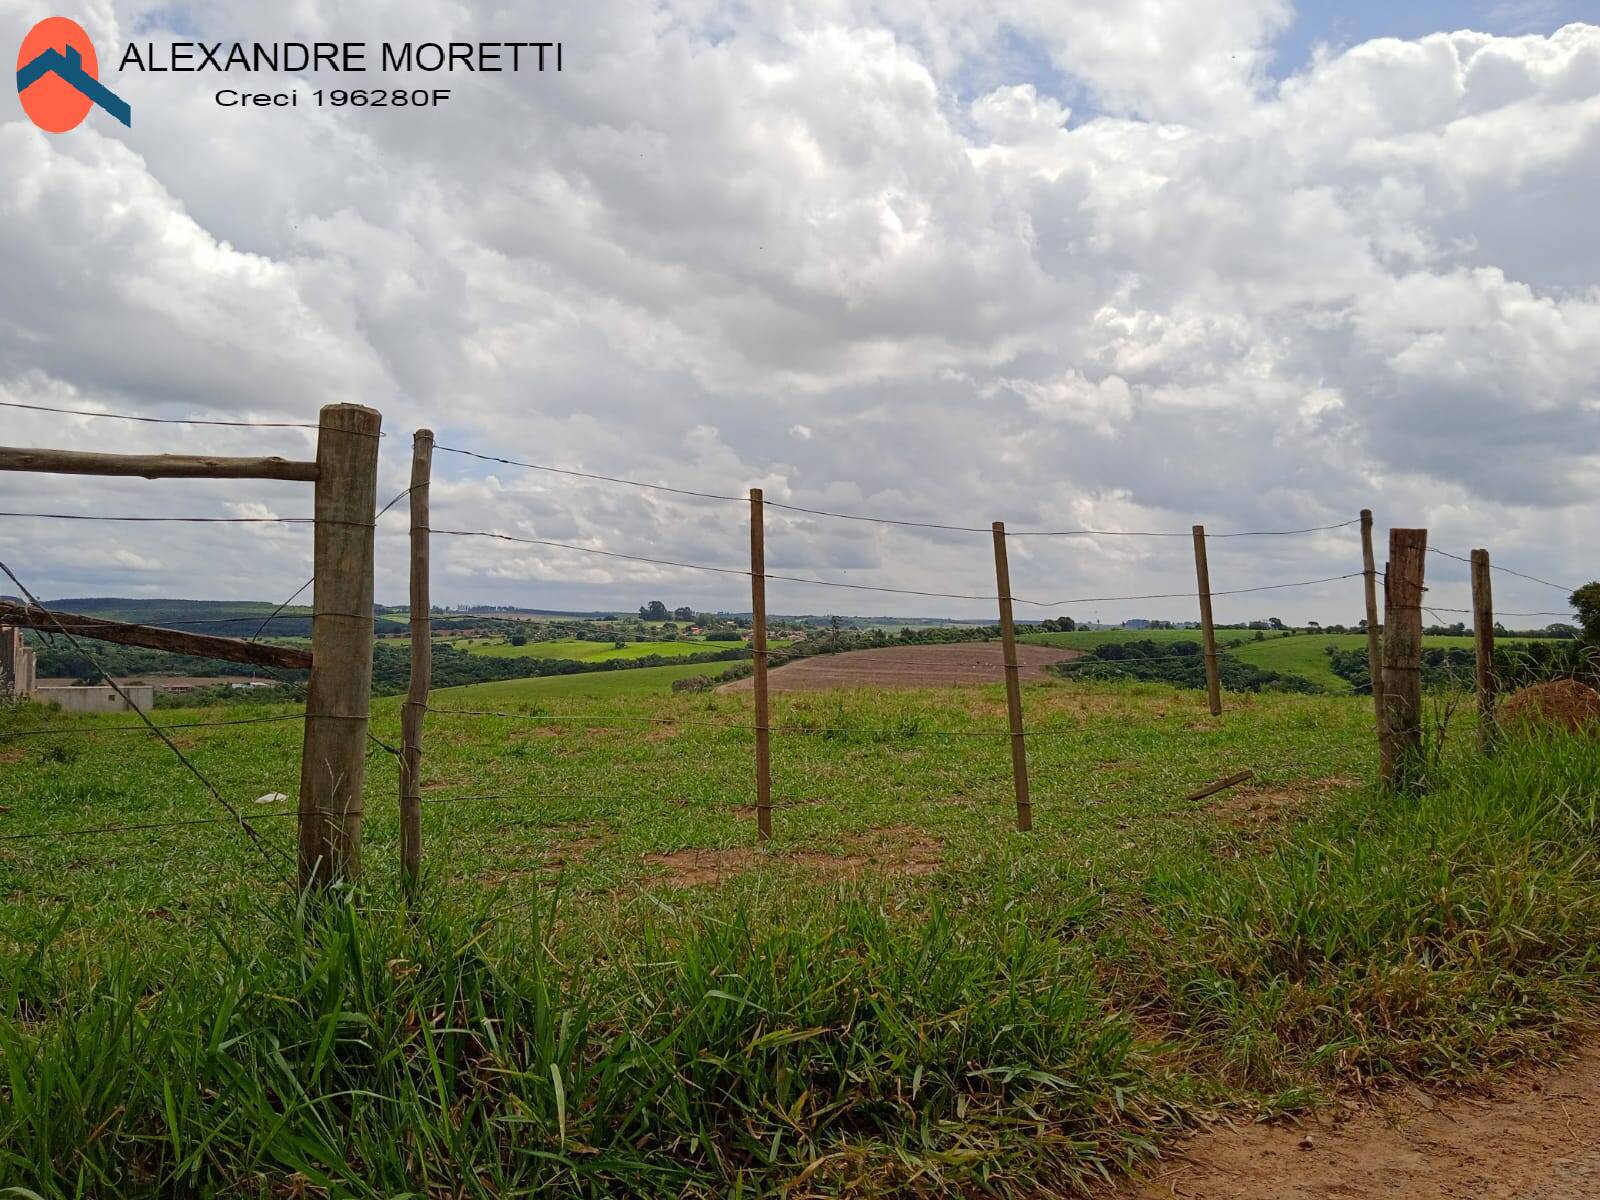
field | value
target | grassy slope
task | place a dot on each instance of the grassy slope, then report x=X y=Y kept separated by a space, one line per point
x=978 y=1028
x=1088 y=639
x=582 y=651
x=638 y=681
x=1300 y=654
x=1304 y=654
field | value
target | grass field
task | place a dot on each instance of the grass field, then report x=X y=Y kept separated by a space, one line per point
x=1305 y=654
x=613 y=989
x=635 y=681
x=1088 y=639
x=582 y=651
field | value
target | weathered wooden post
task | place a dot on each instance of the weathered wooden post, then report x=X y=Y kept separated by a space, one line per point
x=1483 y=645
x=333 y=762
x=1008 y=640
x=758 y=649
x=1208 y=628
x=416 y=705
x=1374 y=649
x=1400 y=753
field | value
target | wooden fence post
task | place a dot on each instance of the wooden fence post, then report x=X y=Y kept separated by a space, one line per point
x=333 y=760
x=1401 y=751
x=1483 y=644
x=416 y=705
x=758 y=649
x=1208 y=629
x=1008 y=640
x=1374 y=649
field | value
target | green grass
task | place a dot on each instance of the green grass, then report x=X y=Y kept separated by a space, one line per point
x=1301 y=654
x=1305 y=654
x=637 y=681
x=1088 y=639
x=898 y=995
x=582 y=651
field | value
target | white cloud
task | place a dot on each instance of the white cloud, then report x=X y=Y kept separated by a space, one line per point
x=1069 y=265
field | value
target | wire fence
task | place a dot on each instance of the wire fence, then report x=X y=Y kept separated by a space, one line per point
x=233 y=816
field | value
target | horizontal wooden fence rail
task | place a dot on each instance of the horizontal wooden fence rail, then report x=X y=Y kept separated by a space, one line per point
x=333 y=750
x=155 y=466
x=153 y=637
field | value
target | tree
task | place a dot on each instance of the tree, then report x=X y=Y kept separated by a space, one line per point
x=684 y=615
x=1587 y=601
x=654 y=611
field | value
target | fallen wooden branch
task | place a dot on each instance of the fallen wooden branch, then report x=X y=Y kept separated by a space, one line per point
x=153 y=637
x=1220 y=785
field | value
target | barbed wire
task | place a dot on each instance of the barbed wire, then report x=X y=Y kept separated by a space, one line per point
x=216 y=794
x=93 y=730
x=1265 y=587
x=877 y=520
x=55 y=516
x=1494 y=566
x=83 y=412
x=866 y=587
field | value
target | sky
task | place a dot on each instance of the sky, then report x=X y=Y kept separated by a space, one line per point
x=1127 y=265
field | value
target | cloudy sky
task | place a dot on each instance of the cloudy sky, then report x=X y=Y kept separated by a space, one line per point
x=1109 y=264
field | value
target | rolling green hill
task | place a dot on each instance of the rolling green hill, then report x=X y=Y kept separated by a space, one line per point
x=640 y=682
x=1088 y=639
x=1306 y=654
x=578 y=650
x=226 y=618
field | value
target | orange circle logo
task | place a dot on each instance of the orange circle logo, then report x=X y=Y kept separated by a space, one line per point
x=58 y=75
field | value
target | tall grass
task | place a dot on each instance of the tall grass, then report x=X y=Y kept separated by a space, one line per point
x=371 y=1057
x=1016 y=1036
x=1427 y=935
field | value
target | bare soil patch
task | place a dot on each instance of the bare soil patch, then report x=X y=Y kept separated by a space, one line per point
x=908 y=667
x=1537 y=1138
x=1260 y=807
x=898 y=850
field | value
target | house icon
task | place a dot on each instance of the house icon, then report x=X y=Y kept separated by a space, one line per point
x=57 y=77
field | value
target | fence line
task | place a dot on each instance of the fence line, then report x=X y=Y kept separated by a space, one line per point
x=337 y=737
x=334 y=747
x=216 y=794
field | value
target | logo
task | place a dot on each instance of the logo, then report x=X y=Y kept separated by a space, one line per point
x=58 y=77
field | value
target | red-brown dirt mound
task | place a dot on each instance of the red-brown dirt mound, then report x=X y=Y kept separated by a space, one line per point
x=908 y=667
x=1562 y=704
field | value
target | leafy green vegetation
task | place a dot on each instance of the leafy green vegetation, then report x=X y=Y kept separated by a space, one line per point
x=1090 y=639
x=1308 y=656
x=613 y=990
x=590 y=651
x=639 y=681
x=1178 y=662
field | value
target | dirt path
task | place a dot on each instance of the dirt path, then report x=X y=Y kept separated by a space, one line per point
x=1538 y=1139
x=908 y=666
